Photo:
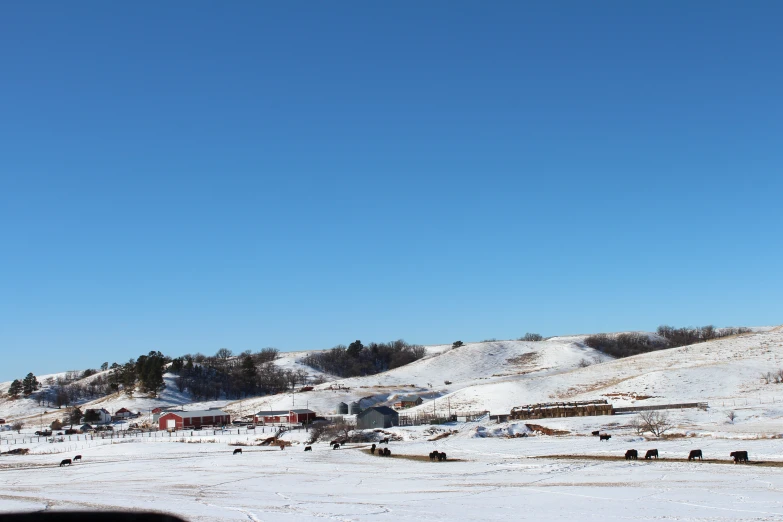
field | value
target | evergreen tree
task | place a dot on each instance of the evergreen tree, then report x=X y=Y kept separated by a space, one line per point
x=75 y=416
x=15 y=389
x=30 y=384
x=92 y=416
x=355 y=349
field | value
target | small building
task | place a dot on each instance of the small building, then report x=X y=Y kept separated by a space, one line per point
x=342 y=408
x=123 y=413
x=377 y=417
x=97 y=416
x=180 y=420
x=160 y=410
x=408 y=401
x=301 y=416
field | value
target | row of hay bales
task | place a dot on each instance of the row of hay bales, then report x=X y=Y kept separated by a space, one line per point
x=562 y=409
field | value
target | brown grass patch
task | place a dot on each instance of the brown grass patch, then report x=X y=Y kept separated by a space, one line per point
x=546 y=431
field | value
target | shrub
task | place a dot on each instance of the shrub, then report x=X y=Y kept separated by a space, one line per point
x=531 y=337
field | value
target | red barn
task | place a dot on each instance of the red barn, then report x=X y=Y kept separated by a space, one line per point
x=193 y=419
x=285 y=416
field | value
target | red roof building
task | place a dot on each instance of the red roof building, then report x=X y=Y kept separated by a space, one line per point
x=284 y=417
x=181 y=420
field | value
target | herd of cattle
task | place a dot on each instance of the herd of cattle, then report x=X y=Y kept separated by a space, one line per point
x=632 y=454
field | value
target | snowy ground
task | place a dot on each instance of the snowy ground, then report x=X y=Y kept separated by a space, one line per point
x=488 y=479
x=490 y=475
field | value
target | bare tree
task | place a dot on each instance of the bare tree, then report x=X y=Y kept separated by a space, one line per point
x=655 y=422
x=638 y=426
x=731 y=416
x=17 y=426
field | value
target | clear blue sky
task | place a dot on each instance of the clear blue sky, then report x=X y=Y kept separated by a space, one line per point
x=185 y=176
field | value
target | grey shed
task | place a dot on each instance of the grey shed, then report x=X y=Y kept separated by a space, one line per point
x=342 y=408
x=354 y=408
x=377 y=417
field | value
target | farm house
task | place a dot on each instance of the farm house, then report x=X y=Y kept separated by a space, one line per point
x=408 y=401
x=193 y=419
x=301 y=416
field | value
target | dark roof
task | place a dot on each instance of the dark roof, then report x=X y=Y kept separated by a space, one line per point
x=383 y=410
x=408 y=398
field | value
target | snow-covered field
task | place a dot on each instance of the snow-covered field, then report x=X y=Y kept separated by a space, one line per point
x=493 y=473
x=486 y=479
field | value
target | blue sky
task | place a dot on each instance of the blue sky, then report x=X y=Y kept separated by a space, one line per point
x=188 y=176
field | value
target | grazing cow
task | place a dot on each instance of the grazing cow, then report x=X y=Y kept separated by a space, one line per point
x=631 y=455
x=384 y=441
x=308 y=448
x=596 y=433
x=77 y=457
x=238 y=450
x=694 y=454
x=335 y=446
x=434 y=455
x=65 y=462
x=386 y=452
x=441 y=457
x=604 y=437
x=650 y=454
x=739 y=456
x=372 y=449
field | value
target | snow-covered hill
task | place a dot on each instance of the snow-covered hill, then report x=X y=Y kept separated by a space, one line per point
x=499 y=375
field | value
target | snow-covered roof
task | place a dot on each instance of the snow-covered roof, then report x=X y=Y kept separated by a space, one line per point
x=275 y=413
x=197 y=413
x=383 y=410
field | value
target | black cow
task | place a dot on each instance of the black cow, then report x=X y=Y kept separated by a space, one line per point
x=65 y=462
x=336 y=446
x=604 y=437
x=739 y=456
x=631 y=455
x=650 y=454
x=238 y=450
x=308 y=448
x=694 y=454
x=434 y=455
x=77 y=457
x=386 y=452
x=441 y=457
x=372 y=449
x=595 y=433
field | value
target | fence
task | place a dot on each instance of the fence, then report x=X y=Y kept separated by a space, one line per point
x=634 y=409
x=160 y=435
x=419 y=419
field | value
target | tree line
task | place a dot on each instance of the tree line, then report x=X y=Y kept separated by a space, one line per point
x=356 y=359
x=629 y=344
x=224 y=375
